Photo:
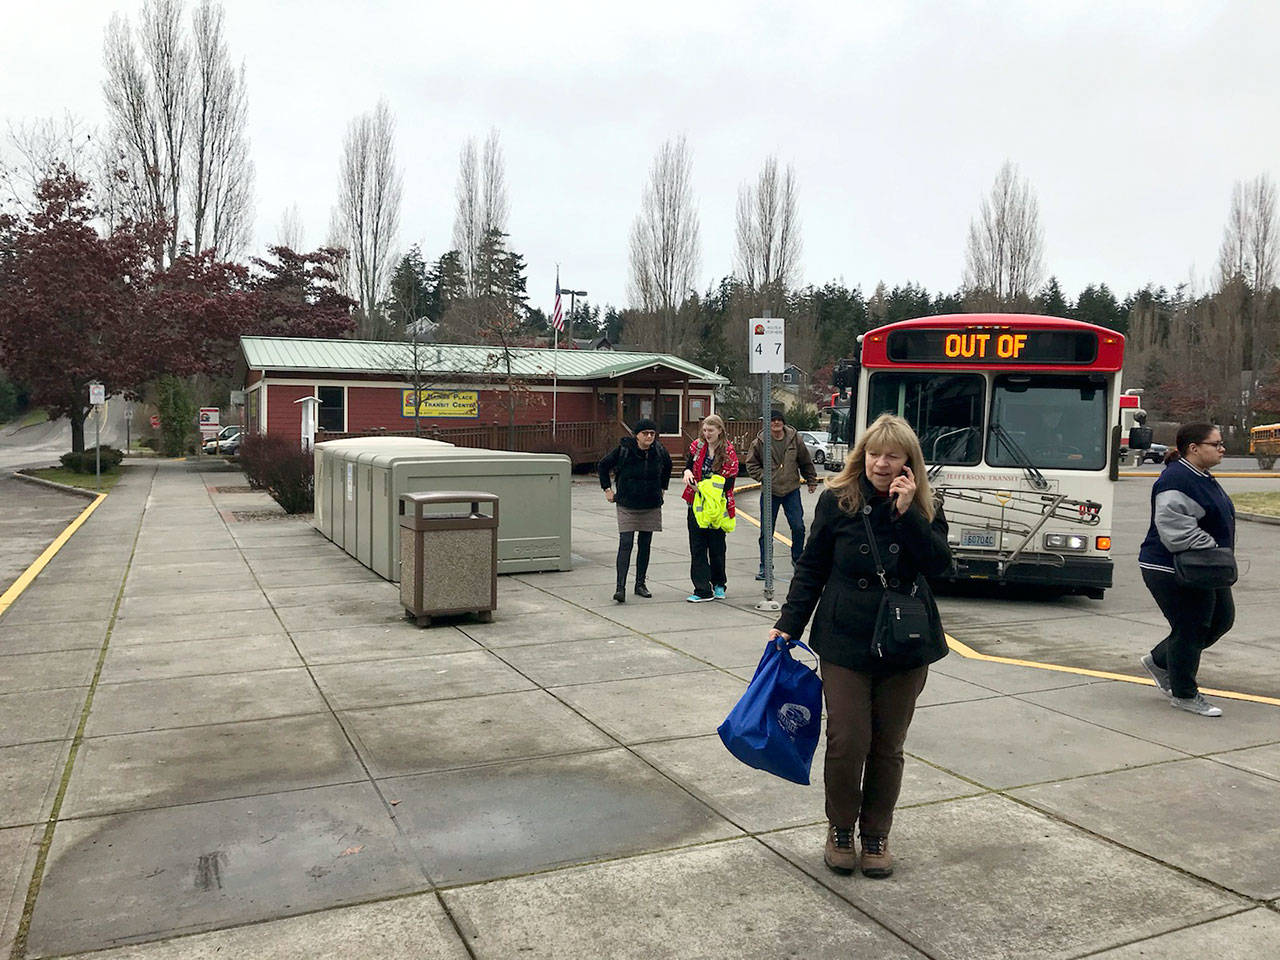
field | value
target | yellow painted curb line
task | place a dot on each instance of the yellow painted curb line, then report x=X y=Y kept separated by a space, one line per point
x=42 y=561
x=969 y=653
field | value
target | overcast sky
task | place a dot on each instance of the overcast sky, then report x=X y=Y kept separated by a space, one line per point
x=1131 y=120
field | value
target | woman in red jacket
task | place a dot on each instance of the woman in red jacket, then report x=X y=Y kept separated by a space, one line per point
x=710 y=455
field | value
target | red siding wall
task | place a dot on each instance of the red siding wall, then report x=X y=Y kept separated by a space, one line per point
x=381 y=407
x=284 y=417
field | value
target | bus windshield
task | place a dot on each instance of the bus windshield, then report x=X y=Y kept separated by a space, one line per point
x=944 y=409
x=1055 y=423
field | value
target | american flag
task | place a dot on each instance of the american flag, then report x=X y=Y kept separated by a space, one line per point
x=557 y=318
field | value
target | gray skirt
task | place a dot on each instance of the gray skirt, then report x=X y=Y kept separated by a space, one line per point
x=639 y=521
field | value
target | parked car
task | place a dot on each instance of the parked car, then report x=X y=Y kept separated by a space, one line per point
x=226 y=442
x=816 y=441
x=1153 y=454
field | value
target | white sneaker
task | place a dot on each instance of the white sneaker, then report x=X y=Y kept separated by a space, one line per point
x=1197 y=704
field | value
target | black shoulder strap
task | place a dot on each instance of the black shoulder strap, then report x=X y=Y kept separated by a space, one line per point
x=875 y=549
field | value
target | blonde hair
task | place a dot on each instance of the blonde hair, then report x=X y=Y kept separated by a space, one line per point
x=891 y=432
x=715 y=421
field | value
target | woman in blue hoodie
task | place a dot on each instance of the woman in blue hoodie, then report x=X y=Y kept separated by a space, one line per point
x=1189 y=511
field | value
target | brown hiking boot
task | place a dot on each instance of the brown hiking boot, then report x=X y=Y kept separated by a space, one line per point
x=840 y=855
x=876 y=860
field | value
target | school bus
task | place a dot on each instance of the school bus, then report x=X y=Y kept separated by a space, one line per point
x=1264 y=443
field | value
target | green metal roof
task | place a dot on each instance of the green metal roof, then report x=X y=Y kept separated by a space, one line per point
x=375 y=356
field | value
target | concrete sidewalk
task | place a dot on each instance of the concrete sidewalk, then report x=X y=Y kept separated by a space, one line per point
x=270 y=762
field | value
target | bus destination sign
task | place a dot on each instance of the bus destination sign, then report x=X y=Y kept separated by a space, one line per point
x=993 y=346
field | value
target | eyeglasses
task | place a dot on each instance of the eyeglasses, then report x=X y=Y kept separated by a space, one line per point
x=1217 y=443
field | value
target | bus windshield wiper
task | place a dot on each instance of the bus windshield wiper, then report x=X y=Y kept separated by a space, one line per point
x=1020 y=457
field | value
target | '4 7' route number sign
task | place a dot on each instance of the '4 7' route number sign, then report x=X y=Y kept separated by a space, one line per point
x=764 y=337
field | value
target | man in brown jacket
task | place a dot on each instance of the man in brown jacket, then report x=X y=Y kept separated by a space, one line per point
x=791 y=464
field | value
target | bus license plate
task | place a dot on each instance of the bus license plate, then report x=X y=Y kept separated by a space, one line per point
x=978 y=538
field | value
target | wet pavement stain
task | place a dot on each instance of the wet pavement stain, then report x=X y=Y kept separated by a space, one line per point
x=209 y=870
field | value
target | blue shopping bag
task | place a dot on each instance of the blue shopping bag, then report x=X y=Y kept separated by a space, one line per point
x=774 y=727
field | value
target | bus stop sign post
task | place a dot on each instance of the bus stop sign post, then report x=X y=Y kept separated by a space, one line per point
x=97 y=397
x=766 y=357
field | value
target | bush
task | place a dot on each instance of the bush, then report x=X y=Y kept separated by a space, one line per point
x=282 y=468
x=8 y=399
x=803 y=417
x=177 y=416
x=86 y=462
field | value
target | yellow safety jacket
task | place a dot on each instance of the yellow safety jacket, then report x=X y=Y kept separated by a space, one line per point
x=711 y=506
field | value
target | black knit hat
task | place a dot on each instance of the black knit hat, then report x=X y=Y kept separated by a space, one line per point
x=776 y=415
x=644 y=423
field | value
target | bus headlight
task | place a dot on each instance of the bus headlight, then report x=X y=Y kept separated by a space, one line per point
x=1065 y=541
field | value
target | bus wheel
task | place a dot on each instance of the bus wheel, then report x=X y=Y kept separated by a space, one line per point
x=1266 y=463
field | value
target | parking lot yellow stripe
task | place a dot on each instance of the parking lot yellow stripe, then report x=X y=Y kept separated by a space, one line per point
x=969 y=653
x=24 y=581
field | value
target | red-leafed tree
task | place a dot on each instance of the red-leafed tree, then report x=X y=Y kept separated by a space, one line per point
x=71 y=309
x=77 y=306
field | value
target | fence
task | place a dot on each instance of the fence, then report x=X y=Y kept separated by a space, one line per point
x=583 y=442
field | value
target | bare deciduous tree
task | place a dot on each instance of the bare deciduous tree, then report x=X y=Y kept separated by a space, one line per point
x=178 y=115
x=768 y=232
x=369 y=189
x=1005 y=249
x=32 y=149
x=220 y=174
x=481 y=206
x=665 y=244
x=289 y=229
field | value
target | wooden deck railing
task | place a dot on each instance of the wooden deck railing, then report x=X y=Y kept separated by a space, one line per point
x=583 y=442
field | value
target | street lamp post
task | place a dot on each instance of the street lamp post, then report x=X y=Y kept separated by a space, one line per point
x=572 y=295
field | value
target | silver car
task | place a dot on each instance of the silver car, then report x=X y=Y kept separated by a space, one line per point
x=816 y=441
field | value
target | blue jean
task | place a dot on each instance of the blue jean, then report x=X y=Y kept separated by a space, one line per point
x=793 y=507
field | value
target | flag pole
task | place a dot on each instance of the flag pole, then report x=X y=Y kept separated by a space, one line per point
x=555 y=347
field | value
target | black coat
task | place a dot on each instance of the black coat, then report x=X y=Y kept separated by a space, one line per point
x=837 y=576
x=642 y=474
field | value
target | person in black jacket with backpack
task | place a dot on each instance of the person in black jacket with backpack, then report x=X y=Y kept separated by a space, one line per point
x=870 y=693
x=634 y=476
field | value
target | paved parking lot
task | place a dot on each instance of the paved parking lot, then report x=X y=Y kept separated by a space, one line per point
x=256 y=755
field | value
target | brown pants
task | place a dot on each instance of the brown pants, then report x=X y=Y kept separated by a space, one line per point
x=867 y=721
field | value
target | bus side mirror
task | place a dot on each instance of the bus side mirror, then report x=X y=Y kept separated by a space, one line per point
x=1139 y=438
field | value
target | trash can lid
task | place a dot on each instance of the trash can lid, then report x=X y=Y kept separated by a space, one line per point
x=450 y=496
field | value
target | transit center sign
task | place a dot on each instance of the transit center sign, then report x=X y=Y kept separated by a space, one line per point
x=459 y=404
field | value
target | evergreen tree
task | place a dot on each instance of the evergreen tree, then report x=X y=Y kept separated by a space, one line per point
x=1051 y=301
x=1098 y=305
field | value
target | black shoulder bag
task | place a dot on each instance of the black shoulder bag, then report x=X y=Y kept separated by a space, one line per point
x=903 y=627
x=1209 y=569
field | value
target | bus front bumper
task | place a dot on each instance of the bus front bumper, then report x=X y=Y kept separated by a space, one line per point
x=1087 y=573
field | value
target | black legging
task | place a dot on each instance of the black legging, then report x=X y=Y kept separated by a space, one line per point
x=1197 y=620
x=625 y=542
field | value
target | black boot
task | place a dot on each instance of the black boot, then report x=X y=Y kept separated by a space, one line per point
x=642 y=564
x=625 y=542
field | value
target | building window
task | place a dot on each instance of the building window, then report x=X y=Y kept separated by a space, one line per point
x=669 y=414
x=332 y=418
x=697 y=409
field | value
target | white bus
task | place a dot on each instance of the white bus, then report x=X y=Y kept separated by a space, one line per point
x=1019 y=418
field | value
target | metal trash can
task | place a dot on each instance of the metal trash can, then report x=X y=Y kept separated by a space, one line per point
x=449 y=560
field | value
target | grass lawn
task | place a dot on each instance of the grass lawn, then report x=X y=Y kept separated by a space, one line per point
x=72 y=479
x=32 y=417
x=1267 y=503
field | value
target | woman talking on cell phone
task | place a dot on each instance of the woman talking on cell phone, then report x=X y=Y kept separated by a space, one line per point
x=876 y=535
